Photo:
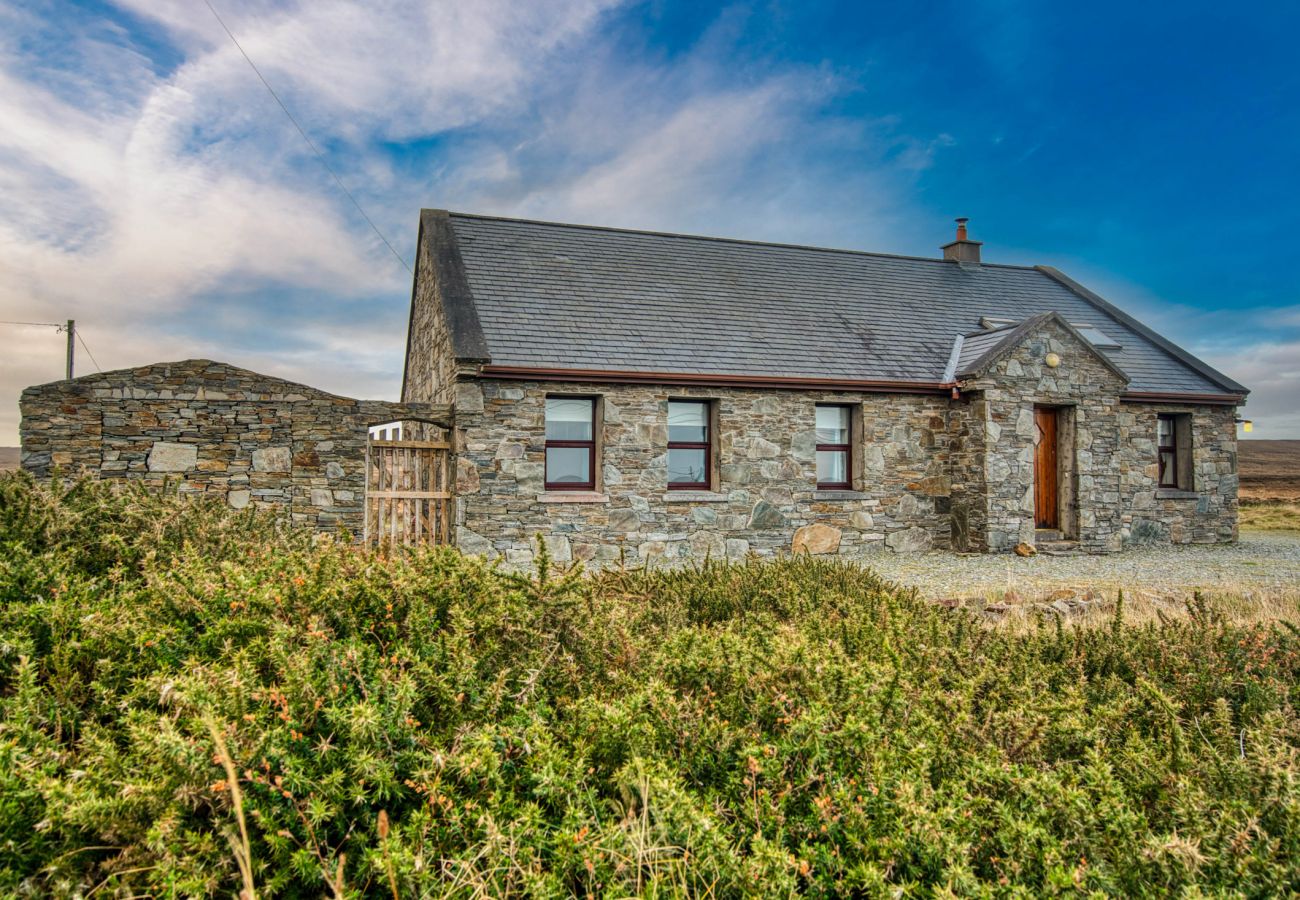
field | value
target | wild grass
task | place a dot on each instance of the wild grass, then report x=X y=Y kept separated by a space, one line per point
x=1269 y=515
x=198 y=703
x=1248 y=605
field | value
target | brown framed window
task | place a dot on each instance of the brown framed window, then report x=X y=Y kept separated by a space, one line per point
x=1167 y=444
x=570 y=443
x=834 y=448
x=690 y=450
x=1174 y=451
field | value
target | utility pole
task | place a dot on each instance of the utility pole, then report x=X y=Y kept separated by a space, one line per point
x=72 y=341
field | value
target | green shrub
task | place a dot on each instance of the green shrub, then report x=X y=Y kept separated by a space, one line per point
x=423 y=724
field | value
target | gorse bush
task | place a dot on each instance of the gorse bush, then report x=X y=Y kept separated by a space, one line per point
x=197 y=703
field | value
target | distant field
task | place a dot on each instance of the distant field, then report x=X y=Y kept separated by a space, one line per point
x=1269 y=469
x=8 y=458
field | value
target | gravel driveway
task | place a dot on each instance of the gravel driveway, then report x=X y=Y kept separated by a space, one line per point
x=1261 y=564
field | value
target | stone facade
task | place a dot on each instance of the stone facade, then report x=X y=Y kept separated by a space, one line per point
x=997 y=468
x=765 y=500
x=931 y=470
x=1205 y=514
x=211 y=428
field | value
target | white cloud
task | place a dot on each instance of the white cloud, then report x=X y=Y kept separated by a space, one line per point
x=392 y=68
x=203 y=176
x=154 y=191
x=1272 y=372
x=131 y=196
x=697 y=151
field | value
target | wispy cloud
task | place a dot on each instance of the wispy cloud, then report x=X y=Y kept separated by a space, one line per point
x=1258 y=346
x=155 y=192
x=1272 y=371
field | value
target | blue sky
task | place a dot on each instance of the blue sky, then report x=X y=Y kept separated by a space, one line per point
x=154 y=191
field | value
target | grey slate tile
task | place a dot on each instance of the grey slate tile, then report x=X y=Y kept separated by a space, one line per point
x=640 y=301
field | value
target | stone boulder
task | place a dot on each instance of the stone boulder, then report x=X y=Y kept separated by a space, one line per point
x=816 y=540
x=909 y=540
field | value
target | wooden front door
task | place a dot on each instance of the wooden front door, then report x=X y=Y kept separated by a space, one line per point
x=1046 y=505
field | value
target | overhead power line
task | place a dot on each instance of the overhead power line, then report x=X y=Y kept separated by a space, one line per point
x=320 y=156
x=70 y=328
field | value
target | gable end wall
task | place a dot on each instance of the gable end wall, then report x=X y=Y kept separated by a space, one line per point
x=430 y=359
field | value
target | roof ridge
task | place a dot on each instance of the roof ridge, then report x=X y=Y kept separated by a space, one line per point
x=732 y=240
x=1190 y=360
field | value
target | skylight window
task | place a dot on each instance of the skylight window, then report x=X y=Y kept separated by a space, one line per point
x=989 y=323
x=1091 y=333
x=1097 y=337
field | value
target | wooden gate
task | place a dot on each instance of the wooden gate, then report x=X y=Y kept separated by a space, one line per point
x=408 y=492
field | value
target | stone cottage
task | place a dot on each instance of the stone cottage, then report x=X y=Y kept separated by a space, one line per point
x=658 y=397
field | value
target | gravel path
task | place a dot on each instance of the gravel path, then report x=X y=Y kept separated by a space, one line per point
x=1261 y=563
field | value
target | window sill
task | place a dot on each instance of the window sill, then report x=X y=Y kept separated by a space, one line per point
x=838 y=495
x=1176 y=494
x=694 y=497
x=572 y=497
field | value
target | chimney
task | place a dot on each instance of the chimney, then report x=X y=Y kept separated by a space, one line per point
x=962 y=250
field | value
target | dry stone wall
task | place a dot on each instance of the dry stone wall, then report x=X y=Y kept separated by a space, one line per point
x=211 y=428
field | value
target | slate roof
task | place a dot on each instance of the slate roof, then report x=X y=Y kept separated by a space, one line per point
x=976 y=345
x=559 y=296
